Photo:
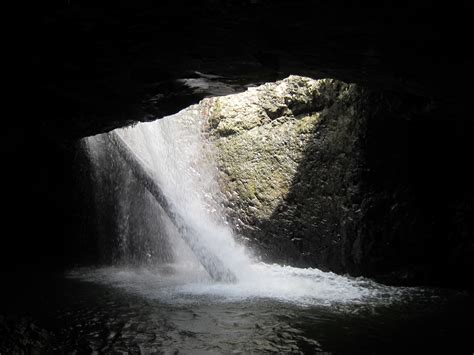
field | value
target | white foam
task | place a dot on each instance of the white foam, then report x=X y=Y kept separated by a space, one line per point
x=184 y=283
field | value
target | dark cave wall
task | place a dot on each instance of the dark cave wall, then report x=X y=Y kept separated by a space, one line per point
x=39 y=199
x=416 y=223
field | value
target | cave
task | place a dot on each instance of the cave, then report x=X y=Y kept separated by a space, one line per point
x=337 y=152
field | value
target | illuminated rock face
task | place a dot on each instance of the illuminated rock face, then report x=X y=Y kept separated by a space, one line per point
x=326 y=174
x=289 y=159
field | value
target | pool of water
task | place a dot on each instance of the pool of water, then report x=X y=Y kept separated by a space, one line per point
x=141 y=311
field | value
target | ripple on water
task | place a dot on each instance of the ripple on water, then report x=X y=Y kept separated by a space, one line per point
x=138 y=310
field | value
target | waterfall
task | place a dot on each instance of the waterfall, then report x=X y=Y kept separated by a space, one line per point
x=173 y=161
x=158 y=205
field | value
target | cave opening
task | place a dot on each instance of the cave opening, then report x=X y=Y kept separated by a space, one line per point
x=258 y=201
x=202 y=189
x=343 y=206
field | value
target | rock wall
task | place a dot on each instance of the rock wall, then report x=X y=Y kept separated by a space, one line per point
x=327 y=174
x=289 y=158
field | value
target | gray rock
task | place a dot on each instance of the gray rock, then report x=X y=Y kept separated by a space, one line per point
x=288 y=153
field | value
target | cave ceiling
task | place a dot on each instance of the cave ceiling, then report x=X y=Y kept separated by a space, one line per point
x=95 y=67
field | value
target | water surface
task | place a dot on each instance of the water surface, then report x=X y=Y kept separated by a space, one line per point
x=123 y=310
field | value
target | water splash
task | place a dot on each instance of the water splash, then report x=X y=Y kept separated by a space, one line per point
x=184 y=284
x=175 y=154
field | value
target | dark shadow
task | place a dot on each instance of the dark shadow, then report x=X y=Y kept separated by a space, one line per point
x=122 y=222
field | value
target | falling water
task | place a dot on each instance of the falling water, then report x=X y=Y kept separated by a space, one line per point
x=176 y=164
